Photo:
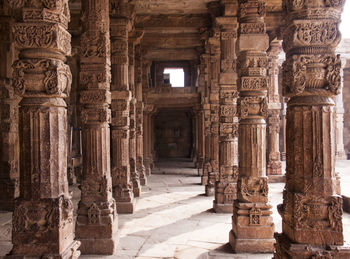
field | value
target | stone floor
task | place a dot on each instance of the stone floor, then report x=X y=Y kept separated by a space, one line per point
x=173 y=219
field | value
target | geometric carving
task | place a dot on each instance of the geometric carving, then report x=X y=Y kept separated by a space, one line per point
x=94 y=215
x=255 y=216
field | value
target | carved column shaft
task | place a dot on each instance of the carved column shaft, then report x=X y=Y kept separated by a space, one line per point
x=226 y=184
x=339 y=134
x=132 y=137
x=214 y=70
x=43 y=216
x=121 y=98
x=312 y=208
x=252 y=226
x=9 y=146
x=206 y=114
x=146 y=66
x=97 y=217
x=139 y=116
x=274 y=165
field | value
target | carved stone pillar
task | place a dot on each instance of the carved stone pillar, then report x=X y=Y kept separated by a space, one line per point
x=284 y=129
x=146 y=140
x=141 y=171
x=226 y=186
x=121 y=98
x=200 y=141
x=252 y=226
x=134 y=38
x=146 y=66
x=42 y=221
x=204 y=79
x=97 y=216
x=9 y=143
x=312 y=209
x=340 y=151
x=274 y=164
x=214 y=70
x=9 y=163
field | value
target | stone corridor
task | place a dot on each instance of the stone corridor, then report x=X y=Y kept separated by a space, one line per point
x=174 y=219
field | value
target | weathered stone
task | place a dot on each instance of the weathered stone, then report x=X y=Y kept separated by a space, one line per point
x=252 y=226
x=97 y=221
x=43 y=215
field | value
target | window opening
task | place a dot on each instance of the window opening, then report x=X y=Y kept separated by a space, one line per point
x=174 y=76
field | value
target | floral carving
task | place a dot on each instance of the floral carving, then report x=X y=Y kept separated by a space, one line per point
x=306 y=72
x=42 y=36
x=253 y=189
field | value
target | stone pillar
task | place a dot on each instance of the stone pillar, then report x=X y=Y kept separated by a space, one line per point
x=200 y=141
x=140 y=167
x=252 y=226
x=274 y=165
x=226 y=186
x=340 y=151
x=214 y=70
x=43 y=222
x=121 y=98
x=284 y=129
x=204 y=82
x=146 y=66
x=312 y=209
x=9 y=144
x=134 y=38
x=97 y=217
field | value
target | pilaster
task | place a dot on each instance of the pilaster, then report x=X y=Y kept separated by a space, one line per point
x=252 y=226
x=121 y=98
x=97 y=223
x=312 y=208
x=226 y=184
x=43 y=215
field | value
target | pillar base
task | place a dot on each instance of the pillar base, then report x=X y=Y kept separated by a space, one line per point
x=97 y=239
x=143 y=181
x=286 y=249
x=209 y=191
x=204 y=180
x=99 y=246
x=274 y=168
x=341 y=155
x=222 y=208
x=125 y=207
x=136 y=191
x=251 y=245
x=71 y=252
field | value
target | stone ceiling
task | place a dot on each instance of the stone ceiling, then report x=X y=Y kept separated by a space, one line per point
x=173 y=27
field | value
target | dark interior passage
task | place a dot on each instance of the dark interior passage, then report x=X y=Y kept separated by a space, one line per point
x=173 y=133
